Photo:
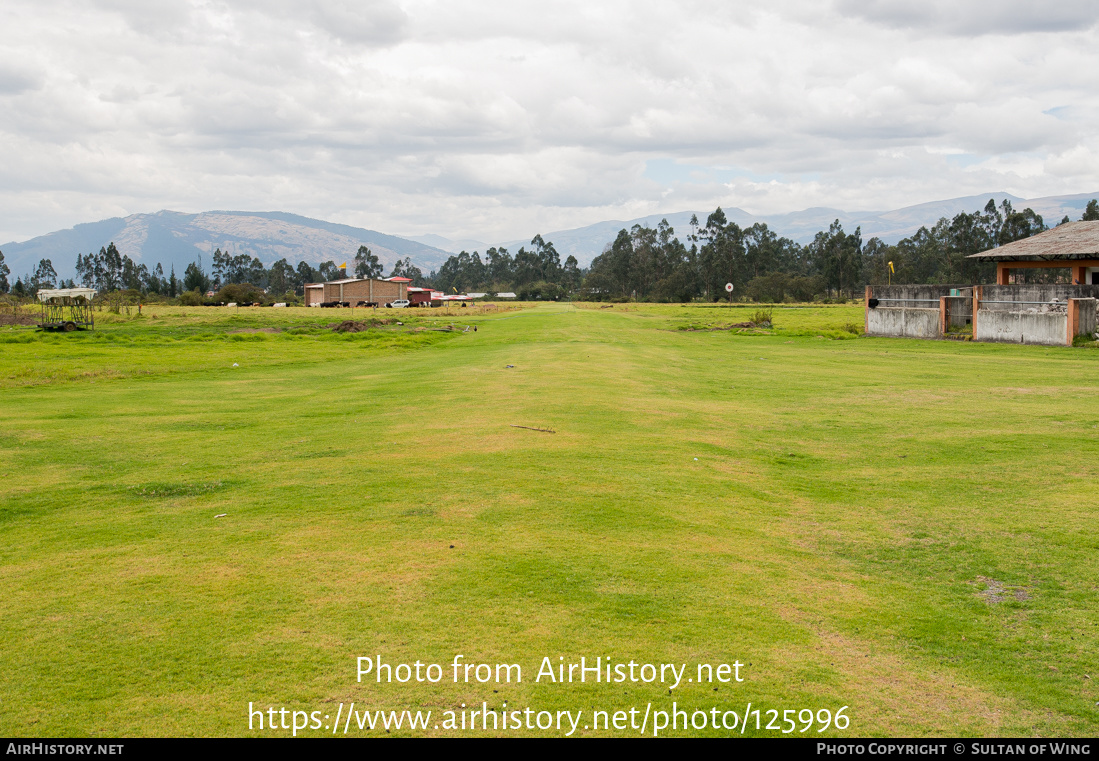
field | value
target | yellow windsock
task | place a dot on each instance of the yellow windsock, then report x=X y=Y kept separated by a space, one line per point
x=891 y=268
x=343 y=266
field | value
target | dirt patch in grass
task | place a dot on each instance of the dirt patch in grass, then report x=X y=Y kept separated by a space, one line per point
x=997 y=591
x=732 y=326
x=18 y=319
x=352 y=326
x=164 y=490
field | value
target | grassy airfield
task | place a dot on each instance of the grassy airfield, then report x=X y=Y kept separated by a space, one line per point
x=906 y=528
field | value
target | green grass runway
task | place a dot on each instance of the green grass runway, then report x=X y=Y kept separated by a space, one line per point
x=903 y=527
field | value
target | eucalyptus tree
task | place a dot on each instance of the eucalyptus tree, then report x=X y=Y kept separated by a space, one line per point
x=367 y=263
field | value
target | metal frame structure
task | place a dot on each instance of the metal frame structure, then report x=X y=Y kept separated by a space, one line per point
x=67 y=308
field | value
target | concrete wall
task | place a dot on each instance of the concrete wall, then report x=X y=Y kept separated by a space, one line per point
x=1039 y=293
x=1026 y=314
x=919 y=296
x=1029 y=314
x=1021 y=327
x=907 y=310
x=1087 y=317
x=904 y=322
x=1031 y=323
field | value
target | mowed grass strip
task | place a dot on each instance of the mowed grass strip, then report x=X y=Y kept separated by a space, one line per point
x=902 y=527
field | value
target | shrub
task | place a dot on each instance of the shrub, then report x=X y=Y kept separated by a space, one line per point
x=762 y=317
x=803 y=289
x=777 y=287
x=768 y=288
x=240 y=293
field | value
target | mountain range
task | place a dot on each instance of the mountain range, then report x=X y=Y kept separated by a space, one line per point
x=176 y=239
x=585 y=243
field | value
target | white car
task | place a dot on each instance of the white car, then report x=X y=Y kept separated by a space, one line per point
x=399 y=303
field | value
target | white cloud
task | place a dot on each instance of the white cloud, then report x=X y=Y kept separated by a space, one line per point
x=974 y=17
x=495 y=120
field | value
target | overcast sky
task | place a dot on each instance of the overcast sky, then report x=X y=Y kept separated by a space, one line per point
x=496 y=120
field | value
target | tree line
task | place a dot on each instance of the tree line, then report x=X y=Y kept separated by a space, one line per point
x=642 y=263
x=108 y=271
x=653 y=264
x=535 y=273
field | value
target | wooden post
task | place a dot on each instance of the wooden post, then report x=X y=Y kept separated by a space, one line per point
x=1072 y=316
x=942 y=316
x=1002 y=274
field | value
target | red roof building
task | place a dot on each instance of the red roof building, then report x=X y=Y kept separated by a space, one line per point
x=418 y=296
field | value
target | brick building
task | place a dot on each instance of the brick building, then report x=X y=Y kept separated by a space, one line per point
x=354 y=290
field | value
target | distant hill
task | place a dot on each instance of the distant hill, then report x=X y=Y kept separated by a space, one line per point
x=453 y=246
x=173 y=238
x=585 y=243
